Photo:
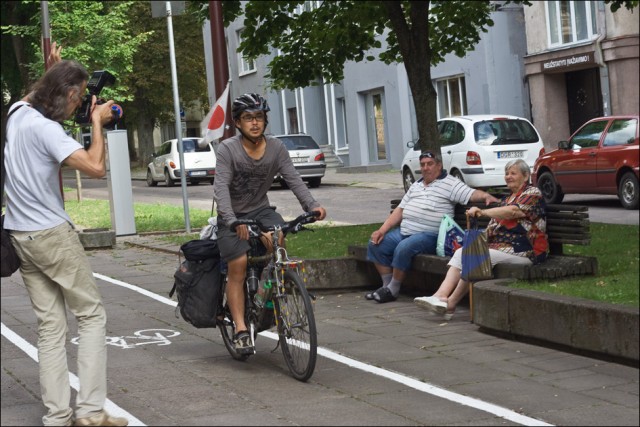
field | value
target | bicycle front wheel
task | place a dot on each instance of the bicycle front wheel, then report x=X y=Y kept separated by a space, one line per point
x=297 y=327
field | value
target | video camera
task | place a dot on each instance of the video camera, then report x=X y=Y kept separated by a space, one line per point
x=98 y=80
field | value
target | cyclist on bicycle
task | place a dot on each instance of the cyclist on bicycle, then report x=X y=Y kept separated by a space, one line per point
x=246 y=166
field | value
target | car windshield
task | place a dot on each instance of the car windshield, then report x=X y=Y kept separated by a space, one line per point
x=503 y=132
x=299 y=142
x=191 y=146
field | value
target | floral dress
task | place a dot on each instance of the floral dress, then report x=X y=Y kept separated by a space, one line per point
x=527 y=236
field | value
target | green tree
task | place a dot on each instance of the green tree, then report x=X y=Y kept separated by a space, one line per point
x=96 y=34
x=121 y=37
x=317 y=42
x=150 y=79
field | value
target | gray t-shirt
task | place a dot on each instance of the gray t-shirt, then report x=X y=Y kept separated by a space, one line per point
x=425 y=205
x=242 y=183
x=35 y=149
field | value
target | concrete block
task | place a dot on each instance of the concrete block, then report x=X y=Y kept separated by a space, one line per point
x=337 y=273
x=491 y=305
x=97 y=238
x=541 y=315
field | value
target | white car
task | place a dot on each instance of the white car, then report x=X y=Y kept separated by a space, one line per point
x=199 y=162
x=476 y=148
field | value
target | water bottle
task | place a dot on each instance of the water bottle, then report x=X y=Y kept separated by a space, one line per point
x=252 y=280
x=263 y=296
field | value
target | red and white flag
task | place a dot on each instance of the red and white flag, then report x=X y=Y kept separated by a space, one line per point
x=212 y=126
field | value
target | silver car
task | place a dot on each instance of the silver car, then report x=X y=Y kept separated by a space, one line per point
x=307 y=158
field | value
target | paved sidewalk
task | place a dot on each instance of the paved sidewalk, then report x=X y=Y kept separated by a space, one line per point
x=433 y=369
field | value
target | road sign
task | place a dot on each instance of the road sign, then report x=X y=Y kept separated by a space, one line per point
x=159 y=8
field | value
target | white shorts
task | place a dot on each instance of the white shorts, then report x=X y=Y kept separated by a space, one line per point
x=497 y=257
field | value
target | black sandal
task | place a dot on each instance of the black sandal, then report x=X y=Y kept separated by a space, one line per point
x=369 y=295
x=384 y=295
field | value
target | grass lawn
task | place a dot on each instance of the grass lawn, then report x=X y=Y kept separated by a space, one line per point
x=615 y=246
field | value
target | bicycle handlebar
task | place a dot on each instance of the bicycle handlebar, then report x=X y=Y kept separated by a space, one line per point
x=292 y=226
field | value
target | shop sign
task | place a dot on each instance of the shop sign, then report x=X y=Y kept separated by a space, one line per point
x=568 y=63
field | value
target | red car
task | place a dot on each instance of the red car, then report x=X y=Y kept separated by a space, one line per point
x=600 y=158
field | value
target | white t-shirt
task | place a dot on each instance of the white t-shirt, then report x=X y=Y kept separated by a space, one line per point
x=35 y=149
x=425 y=205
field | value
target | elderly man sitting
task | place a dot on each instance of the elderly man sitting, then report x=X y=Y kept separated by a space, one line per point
x=418 y=215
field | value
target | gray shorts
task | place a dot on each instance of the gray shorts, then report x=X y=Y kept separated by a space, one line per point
x=230 y=246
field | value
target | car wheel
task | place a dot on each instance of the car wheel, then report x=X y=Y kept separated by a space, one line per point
x=550 y=190
x=150 y=181
x=167 y=179
x=211 y=182
x=628 y=191
x=314 y=182
x=457 y=174
x=407 y=179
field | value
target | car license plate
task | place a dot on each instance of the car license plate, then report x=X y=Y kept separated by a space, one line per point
x=510 y=154
x=198 y=173
x=299 y=159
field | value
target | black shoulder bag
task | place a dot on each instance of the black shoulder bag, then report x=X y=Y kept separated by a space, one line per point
x=9 y=261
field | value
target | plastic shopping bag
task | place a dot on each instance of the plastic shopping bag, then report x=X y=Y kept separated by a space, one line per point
x=450 y=237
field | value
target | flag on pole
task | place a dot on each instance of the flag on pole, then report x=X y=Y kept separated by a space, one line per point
x=212 y=126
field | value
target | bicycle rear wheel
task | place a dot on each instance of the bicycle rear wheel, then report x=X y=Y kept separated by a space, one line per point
x=297 y=327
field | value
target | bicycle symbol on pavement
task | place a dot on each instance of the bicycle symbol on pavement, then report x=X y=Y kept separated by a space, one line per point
x=145 y=336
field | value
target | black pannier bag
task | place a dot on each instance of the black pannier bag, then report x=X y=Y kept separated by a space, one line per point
x=198 y=283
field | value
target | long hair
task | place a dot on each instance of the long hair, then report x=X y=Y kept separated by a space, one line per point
x=51 y=91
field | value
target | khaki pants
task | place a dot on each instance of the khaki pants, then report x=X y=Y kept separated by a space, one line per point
x=56 y=272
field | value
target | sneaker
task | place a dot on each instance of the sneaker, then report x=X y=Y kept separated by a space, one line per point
x=449 y=315
x=431 y=303
x=242 y=343
x=102 y=419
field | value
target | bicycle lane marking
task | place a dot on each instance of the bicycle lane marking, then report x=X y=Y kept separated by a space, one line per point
x=393 y=376
x=32 y=352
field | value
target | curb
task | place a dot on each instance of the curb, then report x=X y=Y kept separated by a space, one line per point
x=576 y=323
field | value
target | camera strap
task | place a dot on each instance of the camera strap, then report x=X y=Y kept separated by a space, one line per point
x=4 y=143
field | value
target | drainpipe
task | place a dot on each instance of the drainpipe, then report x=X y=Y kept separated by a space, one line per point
x=604 y=68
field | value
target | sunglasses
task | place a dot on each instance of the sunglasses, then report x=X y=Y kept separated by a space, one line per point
x=427 y=155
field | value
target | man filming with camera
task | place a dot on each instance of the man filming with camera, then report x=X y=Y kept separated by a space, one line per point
x=54 y=268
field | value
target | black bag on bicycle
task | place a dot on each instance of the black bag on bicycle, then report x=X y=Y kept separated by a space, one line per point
x=198 y=283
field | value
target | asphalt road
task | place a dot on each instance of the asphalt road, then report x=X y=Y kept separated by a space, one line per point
x=344 y=205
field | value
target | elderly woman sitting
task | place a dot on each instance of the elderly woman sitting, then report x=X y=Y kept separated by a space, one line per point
x=516 y=234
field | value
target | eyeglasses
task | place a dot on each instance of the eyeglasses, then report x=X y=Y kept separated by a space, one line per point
x=427 y=155
x=249 y=118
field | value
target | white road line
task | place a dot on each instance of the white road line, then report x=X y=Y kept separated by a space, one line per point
x=32 y=352
x=393 y=376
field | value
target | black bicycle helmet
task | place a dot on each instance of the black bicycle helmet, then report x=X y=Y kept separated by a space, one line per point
x=248 y=102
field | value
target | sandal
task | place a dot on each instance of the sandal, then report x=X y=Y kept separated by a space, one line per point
x=383 y=295
x=369 y=295
x=242 y=342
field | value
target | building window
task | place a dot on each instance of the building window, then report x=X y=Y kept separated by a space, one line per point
x=245 y=65
x=570 y=21
x=452 y=97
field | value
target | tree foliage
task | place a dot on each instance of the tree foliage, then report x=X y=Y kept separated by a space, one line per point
x=121 y=37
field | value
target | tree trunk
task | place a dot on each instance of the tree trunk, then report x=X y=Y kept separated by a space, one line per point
x=145 y=139
x=415 y=48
